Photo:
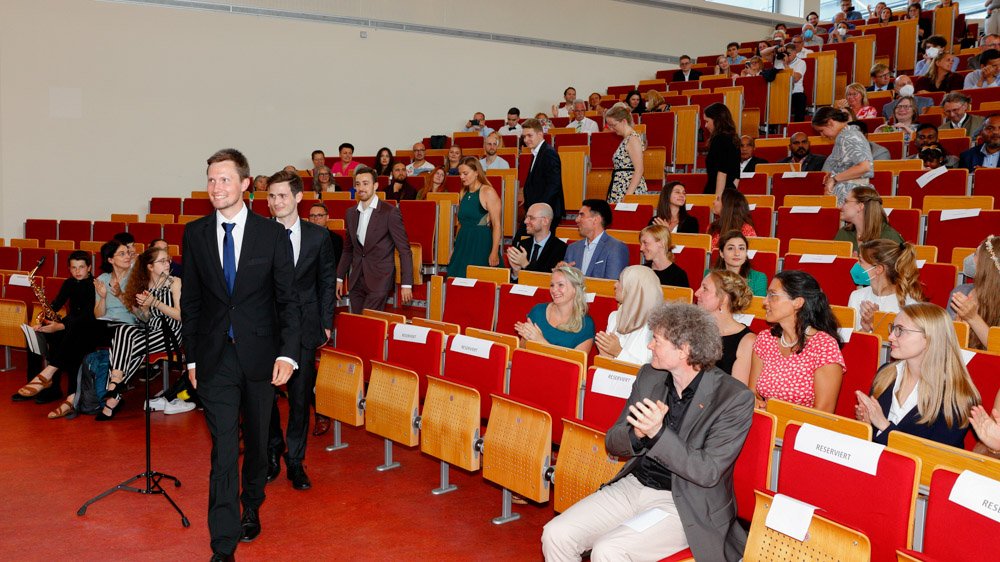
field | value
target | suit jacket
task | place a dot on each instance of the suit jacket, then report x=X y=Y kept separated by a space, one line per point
x=752 y=164
x=316 y=284
x=922 y=104
x=811 y=163
x=609 y=259
x=973 y=125
x=544 y=183
x=338 y=246
x=551 y=254
x=888 y=88
x=692 y=75
x=263 y=309
x=375 y=260
x=972 y=158
x=701 y=456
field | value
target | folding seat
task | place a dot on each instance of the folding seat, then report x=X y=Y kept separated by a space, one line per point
x=75 y=230
x=753 y=465
x=571 y=139
x=41 y=229
x=515 y=302
x=106 y=230
x=517 y=452
x=986 y=181
x=392 y=408
x=26 y=243
x=174 y=234
x=692 y=261
x=833 y=274
x=771 y=150
x=906 y=222
x=840 y=248
x=754 y=92
x=557 y=392
x=416 y=348
x=661 y=130
x=937 y=280
x=362 y=336
x=619 y=90
x=470 y=302
x=171 y=205
x=802 y=222
x=602 y=147
x=30 y=257
x=753 y=185
x=984 y=369
x=197 y=206
x=795 y=183
x=584 y=464
x=845 y=58
x=13 y=313
x=145 y=231
x=862 y=355
x=631 y=216
x=605 y=393
x=951 y=182
x=421 y=221
x=477 y=363
x=338 y=207
x=450 y=428
x=10 y=258
x=959 y=229
x=260 y=207
x=599 y=309
x=469 y=142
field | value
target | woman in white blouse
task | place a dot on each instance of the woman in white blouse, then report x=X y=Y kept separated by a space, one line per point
x=627 y=337
x=891 y=269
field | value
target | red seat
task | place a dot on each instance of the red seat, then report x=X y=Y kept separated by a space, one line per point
x=753 y=465
x=170 y=205
x=362 y=336
x=937 y=280
x=885 y=46
x=813 y=226
x=260 y=207
x=845 y=58
x=19 y=293
x=952 y=182
x=557 y=392
x=30 y=257
x=470 y=307
x=906 y=222
x=514 y=307
x=880 y=505
x=692 y=261
x=421 y=221
x=422 y=358
x=770 y=154
x=571 y=139
x=599 y=309
x=620 y=90
x=754 y=92
x=10 y=258
x=41 y=229
x=986 y=181
x=703 y=214
x=984 y=369
x=761 y=217
x=485 y=374
x=174 y=234
x=195 y=206
x=882 y=182
x=661 y=130
x=811 y=184
x=834 y=278
x=338 y=207
x=75 y=230
x=602 y=147
x=106 y=230
x=601 y=409
x=754 y=185
x=862 y=357
x=468 y=143
x=959 y=233
x=631 y=220
x=145 y=231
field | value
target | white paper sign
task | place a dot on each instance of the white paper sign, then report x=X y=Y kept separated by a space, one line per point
x=19 y=279
x=629 y=207
x=978 y=493
x=805 y=209
x=930 y=175
x=646 y=519
x=410 y=333
x=678 y=249
x=471 y=346
x=789 y=516
x=920 y=264
x=887 y=210
x=838 y=448
x=793 y=175
x=747 y=175
x=751 y=254
x=591 y=297
x=463 y=282
x=845 y=334
x=817 y=258
x=565 y=240
x=612 y=383
x=966 y=356
x=526 y=290
x=744 y=319
x=689 y=206
x=952 y=214
x=753 y=206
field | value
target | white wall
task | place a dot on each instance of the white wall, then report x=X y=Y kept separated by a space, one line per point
x=103 y=105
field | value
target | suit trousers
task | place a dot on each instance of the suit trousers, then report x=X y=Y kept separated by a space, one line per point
x=361 y=297
x=595 y=523
x=225 y=394
x=300 y=397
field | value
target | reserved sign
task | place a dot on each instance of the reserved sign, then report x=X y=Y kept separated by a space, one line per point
x=978 y=493
x=612 y=383
x=471 y=346
x=410 y=333
x=839 y=448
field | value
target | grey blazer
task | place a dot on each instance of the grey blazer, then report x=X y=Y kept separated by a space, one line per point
x=700 y=456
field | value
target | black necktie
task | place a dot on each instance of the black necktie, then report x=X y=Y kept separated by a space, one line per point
x=534 y=252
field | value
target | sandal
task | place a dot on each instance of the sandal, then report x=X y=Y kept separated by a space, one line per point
x=36 y=385
x=65 y=410
x=113 y=393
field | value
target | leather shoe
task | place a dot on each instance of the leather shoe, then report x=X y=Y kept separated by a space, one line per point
x=321 y=426
x=250 y=524
x=273 y=464
x=297 y=475
x=220 y=557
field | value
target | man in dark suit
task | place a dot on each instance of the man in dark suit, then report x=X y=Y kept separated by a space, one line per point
x=685 y=73
x=374 y=232
x=798 y=146
x=881 y=79
x=986 y=155
x=320 y=215
x=241 y=326
x=540 y=250
x=748 y=162
x=544 y=183
x=315 y=284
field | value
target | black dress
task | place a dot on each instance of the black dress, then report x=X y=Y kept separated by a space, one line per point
x=730 y=344
x=723 y=156
x=672 y=275
x=688 y=225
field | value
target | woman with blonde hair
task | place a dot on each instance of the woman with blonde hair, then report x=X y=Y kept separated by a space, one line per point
x=723 y=294
x=655 y=101
x=865 y=217
x=657 y=250
x=889 y=270
x=627 y=338
x=981 y=307
x=927 y=391
x=855 y=102
x=564 y=321
x=627 y=176
x=939 y=76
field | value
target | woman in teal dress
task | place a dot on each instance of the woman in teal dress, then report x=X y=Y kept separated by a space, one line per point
x=478 y=240
x=563 y=322
x=734 y=256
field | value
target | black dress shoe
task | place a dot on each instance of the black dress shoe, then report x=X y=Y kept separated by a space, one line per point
x=220 y=557
x=250 y=524
x=273 y=465
x=297 y=474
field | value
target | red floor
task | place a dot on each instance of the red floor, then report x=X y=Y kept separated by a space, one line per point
x=50 y=467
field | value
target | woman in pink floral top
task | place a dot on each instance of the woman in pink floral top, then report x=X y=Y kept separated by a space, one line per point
x=346 y=165
x=798 y=360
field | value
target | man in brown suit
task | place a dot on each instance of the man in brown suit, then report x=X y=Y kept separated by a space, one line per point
x=374 y=233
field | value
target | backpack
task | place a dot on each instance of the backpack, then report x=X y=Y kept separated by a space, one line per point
x=92 y=382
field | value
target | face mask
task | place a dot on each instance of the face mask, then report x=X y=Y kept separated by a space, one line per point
x=842 y=31
x=933 y=52
x=860 y=275
x=808 y=34
x=906 y=90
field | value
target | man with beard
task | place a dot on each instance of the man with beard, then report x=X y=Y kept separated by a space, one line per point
x=798 y=147
x=491 y=161
x=927 y=135
x=399 y=188
x=984 y=156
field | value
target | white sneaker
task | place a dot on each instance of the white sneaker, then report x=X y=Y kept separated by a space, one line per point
x=157 y=404
x=178 y=407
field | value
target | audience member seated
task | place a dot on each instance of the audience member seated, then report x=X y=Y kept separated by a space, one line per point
x=634 y=102
x=544 y=120
x=926 y=391
x=927 y=135
x=569 y=97
x=346 y=165
x=627 y=338
x=680 y=467
x=733 y=55
x=67 y=341
x=260 y=183
x=685 y=73
x=988 y=75
x=581 y=122
x=923 y=25
x=453 y=159
x=933 y=46
x=477 y=125
x=811 y=38
x=479 y=236
x=598 y=254
x=855 y=103
x=956 y=107
x=732 y=212
x=904 y=119
x=881 y=79
x=966 y=276
x=933 y=156
x=671 y=210
x=154 y=297
x=490 y=160
x=564 y=321
x=540 y=250
x=889 y=281
x=939 y=77
x=594 y=102
x=865 y=218
x=985 y=155
x=384 y=162
x=627 y=176
x=753 y=67
x=116 y=264
x=883 y=16
x=800 y=153
x=658 y=251
x=722 y=294
x=764 y=51
x=399 y=187
x=850 y=162
x=735 y=258
x=512 y=125
x=319 y=215
x=318 y=158
x=879 y=152
x=722 y=66
x=838 y=33
x=176 y=269
x=981 y=307
x=904 y=88
x=418 y=165
x=748 y=162
x=436 y=185
x=987 y=428
x=990 y=41
x=655 y=102
x=812 y=18
x=323 y=180
x=798 y=360
x=722 y=164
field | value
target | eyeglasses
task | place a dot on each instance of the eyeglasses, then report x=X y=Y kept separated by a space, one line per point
x=317 y=215
x=773 y=295
x=324 y=173
x=897 y=330
x=122 y=254
x=883 y=75
x=162 y=260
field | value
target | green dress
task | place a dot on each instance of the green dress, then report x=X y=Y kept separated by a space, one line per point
x=475 y=237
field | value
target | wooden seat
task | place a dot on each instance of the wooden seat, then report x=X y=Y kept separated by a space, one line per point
x=391 y=407
x=69 y=245
x=339 y=391
x=575 y=355
x=933 y=455
x=506 y=340
x=787 y=413
x=498 y=275
x=13 y=313
x=184 y=219
x=448 y=328
x=389 y=317
x=943 y=202
x=897 y=202
x=517 y=451
x=810 y=201
x=926 y=253
x=129 y=217
x=605 y=287
x=764 y=244
x=993 y=339
x=896 y=166
x=703 y=241
x=161 y=218
x=826 y=247
x=24 y=243
x=449 y=424
x=584 y=464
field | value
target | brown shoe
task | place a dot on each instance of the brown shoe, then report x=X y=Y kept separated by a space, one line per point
x=322 y=425
x=65 y=409
x=36 y=385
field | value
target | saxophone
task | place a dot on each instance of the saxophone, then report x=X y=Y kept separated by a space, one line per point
x=46 y=313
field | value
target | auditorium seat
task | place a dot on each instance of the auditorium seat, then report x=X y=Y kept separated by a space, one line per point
x=173 y=234
x=584 y=464
x=470 y=302
x=24 y=243
x=417 y=349
x=450 y=427
x=961 y=231
x=795 y=183
x=514 y=304
x=907 y=223
x=986 y=181
x=862 y=355
x=362 y=336
x=30 y=257
x=833 y=277
x=629 y=218
x=392 y=408
x=601 y=404
x=951 y=182
x=421 y=220
x=937 y=280
x=106 y=230
x=477 y=363
x=41 y=229
x=171 y=205
x=557 y=392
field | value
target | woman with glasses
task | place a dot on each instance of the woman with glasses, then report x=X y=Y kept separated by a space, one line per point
x=116 y=263
x=798 y=360
x=889 y=271
x=855 y=102
x=154 y=297
x=324 y=180
x=926 y=391
x=904 y=118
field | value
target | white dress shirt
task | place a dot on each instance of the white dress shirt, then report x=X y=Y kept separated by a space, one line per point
x=364 y=217
x=898 y=411
x=588 y=252
x=296 y=239
x=585 y=125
